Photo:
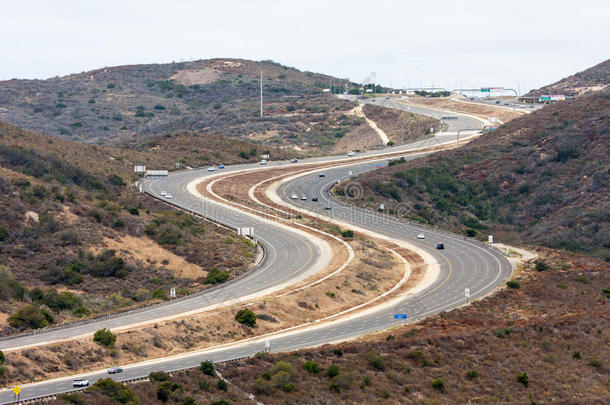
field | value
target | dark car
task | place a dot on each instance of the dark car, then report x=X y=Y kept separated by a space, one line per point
x=327 y=207
x=314 y=198
x=115 y=370
x=440 y=245
x=497 y=102
x=322 y=175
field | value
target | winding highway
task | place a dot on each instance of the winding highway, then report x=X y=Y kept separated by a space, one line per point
x=291 y=256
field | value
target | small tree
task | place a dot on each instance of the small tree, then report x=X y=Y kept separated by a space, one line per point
x=246 y=317
x=207 y=367
x=439 y=385
x=513 y=284
x=312 y=367
x=523 y=379
x=104 y=337
x=333 y=370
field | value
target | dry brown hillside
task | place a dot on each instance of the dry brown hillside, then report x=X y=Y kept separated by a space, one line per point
x=540 y=179
x=592 y=79
x=76 y=239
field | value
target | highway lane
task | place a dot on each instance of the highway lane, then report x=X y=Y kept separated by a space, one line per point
x=472 y=264
x=491 y=269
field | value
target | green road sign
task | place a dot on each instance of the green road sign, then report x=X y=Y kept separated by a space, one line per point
x=486 y=90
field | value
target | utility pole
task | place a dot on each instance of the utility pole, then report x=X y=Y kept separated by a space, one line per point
x=261 y=94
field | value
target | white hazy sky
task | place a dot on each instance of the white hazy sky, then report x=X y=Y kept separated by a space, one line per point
x=462 y=43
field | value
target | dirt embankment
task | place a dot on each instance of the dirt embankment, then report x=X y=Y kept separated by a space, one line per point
x=400 y=126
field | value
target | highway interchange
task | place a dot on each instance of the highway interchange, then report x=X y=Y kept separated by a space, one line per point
x=290 y=256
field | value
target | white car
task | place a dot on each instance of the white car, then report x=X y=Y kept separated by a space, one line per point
x=303 y=197
x=163 y=192
x=168 y=196
x=421 y=236
x=351 y=153
x=211 y=169
x=294 y=196
x=263 y=162
x=80 y=382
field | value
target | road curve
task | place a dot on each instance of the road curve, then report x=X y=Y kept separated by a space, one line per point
x=463 y=264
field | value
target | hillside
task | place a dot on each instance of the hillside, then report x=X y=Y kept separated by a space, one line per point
x=76 y=240
x=133 y=105
x=594 y=78
x=541 y=179
x=545 y=341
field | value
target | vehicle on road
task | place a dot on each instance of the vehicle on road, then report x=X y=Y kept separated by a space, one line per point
x=293 y=160
x=211 y=169
x=80 y=382
x=497 y=102
x=163 y=193
x=314 y=198
x=351 y=153
x=115 y=370
x=327 y=207
x=303 y=197
x=440 y=245
x=168 y=196
x=294 y=196
x=221 y=166
x=322 y=175
x=263 y=162
x=421 y=236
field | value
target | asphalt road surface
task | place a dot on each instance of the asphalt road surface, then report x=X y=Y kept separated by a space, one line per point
x=464 y=264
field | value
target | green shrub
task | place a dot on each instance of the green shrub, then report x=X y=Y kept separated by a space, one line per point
x=375 y=360
x=216 y=276
x=581 y=279
x=310 y=366
x=104 y=337
x=439 y=385
x=513 y=284
x=472 y=374
x=30 y=316
x=334 y=387
x=576 y=355
x=2 y=358
x=246 y=317
x=348 y=233
x=366 y=380
x=338 y=352
x=330 y=294
x=332 y=371
x=471 y=233
x=523 y=379
x=221 y=384
x=220 y=402
x=116 y=391
x=163 y=393
x=207 y=367
x=189 y=401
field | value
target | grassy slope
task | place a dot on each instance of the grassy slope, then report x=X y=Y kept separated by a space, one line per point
x=81 y=195
x=540 y=179
x=136 y=104
x=553 y=328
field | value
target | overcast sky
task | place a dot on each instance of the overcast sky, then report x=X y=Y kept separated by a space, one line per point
x=453 y=44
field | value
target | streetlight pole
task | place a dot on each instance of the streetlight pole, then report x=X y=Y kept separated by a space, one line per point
x=261 y=93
